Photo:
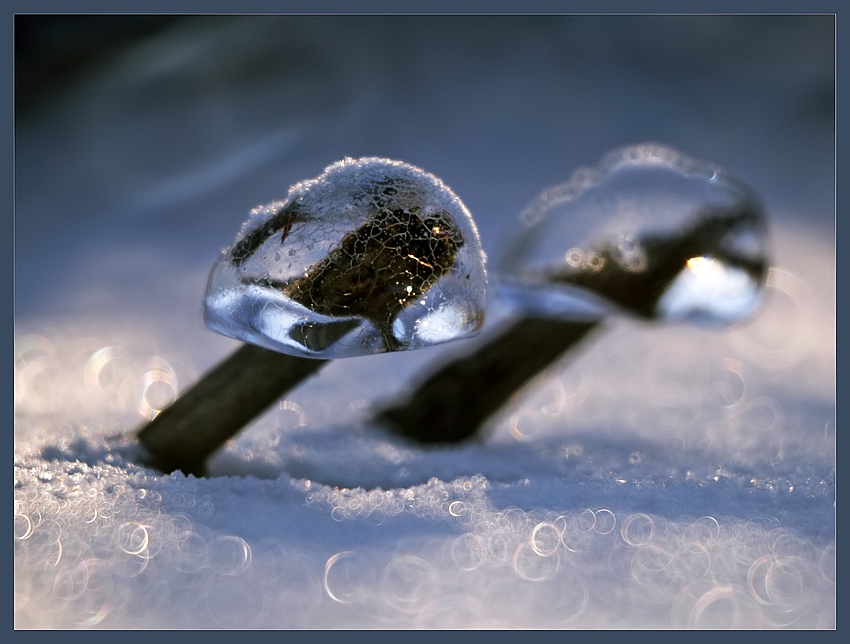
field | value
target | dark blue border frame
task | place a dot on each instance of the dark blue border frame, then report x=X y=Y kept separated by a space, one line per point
x=7 y=263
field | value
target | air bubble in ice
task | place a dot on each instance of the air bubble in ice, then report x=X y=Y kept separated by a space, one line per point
x=373 y=255
x=650 y=232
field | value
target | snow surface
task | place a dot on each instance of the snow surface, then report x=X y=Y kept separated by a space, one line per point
x=660 y=476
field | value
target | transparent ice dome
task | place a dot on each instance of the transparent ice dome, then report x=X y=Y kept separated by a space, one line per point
x=650 y=232
x=373 y=255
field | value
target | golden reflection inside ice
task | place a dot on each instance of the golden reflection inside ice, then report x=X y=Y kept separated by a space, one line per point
x=712 y=290
x=701 y=264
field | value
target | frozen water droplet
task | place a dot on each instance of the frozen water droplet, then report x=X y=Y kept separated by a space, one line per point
x=352 y=262
x=651 y=232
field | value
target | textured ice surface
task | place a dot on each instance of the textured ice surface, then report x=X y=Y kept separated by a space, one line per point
x=372 y=256
x=651 y=232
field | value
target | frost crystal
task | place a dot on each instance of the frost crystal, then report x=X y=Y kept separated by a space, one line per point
x=649 y=232
x=371 y=256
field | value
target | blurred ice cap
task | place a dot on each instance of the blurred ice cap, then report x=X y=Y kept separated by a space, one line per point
x=649 y=232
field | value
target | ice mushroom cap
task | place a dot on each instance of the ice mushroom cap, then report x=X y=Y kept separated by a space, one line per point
x=650 y=232
x=373 y=255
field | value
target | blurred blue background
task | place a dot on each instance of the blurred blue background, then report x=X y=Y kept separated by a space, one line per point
x=142 y=142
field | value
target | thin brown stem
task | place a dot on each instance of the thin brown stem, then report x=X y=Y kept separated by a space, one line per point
x=452 y=405
x=226 y=399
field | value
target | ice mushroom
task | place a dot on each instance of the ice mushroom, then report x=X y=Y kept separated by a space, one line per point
x=373 y=255
x=650 y=233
